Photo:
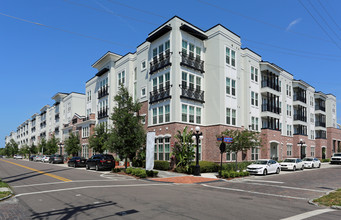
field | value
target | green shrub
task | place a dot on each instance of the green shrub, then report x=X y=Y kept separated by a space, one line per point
x=232 y=174
x=129 y=170
x=151 y=173
x=226 y=174
x=161 y=165
x=325 y=160
x=116 y=170
x=142 y=174
x=180 y=169
x=205 y=167
x=232 y=166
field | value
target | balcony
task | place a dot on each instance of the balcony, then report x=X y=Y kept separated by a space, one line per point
x=269 y=108
x=191 y=62
x=320 y=107
x=103 y=113
x=298 y=117
x=300 y=98
x=160 y=63
x=159 y=95
x=320 y=124
x=103 y=91
x=192 y=94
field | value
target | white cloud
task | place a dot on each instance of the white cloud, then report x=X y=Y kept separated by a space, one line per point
x=294 y=22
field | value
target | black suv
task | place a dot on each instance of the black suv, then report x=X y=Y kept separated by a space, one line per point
x=56 y=158
x=101 y=161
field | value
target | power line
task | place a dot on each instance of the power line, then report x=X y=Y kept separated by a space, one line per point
x=329 y=15
x=109 y=12
x=64 y=30
x=319 y=24
x=261 y=21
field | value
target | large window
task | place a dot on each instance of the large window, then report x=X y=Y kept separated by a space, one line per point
x=161 y=114
x=121 y=78
x=191 y=81
x=231 y=156
x=230 y=57
x=289 y=150
x=184 y=113
x=162 y=149
x=167 y=114
x=254 y=74
x=312 y=151
x=254 y=153
x=254 y=98
x=85 y=151
x=154 y=116
x=191 y=113
x=230 y=86
x=231 y=116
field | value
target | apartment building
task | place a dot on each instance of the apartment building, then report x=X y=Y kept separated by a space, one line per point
x=185 y=76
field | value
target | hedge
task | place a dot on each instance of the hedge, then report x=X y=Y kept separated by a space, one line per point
x=161 y=165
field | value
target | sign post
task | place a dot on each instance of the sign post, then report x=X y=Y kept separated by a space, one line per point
x=222 y=148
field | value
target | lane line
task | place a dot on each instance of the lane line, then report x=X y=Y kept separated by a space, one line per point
x=252 y=192
x=288 y=187
x=309 y=214
x=265 y=181
x=91 y=187
x=41 y=172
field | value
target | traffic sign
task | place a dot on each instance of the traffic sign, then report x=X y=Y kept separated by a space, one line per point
x=228 y=140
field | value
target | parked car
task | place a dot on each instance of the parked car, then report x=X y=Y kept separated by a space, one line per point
x=336 y=158
x=37 y=158
x=264 y=167
x=100 y=161
x=32 y=157
x=46 y=159
x=311 y=162
x=56 y=158
x=77 y=162
x=292 y=164
x=18 y=157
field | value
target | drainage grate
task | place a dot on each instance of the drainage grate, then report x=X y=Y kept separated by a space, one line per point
x=123 y=213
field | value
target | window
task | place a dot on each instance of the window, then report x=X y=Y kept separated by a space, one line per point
x=311 y=117
x=154 y=84
x=191 y=82
x=254 y=153
x=184 y=80
x=233 y=88
x=121 y=78
x=289 y=150
x=191 y=114
x=85 y=151
x=167 y=149
x=154 y=116
x=230 y=86
x=228 y=55
x=230 y=156
x=143 y=91
x=155 y=53
x=184 y=113
x=312 y=151
x=167 y=45
x=184 y=47
x=155 y=149
x=143 y=119
x=254 y=123
x=167 y=114
x=312 y=134
x=88 y=96
x=198 y=115
x=256 y=75
x=160 y=49
x=233 y=58
x=198 y=83
x=198 y=53
x=252 y=73
x=85 y=132
x=288 y=110
x=233 y=117
x=167 y=80
x=143 y=66
x=161 y=82
x=228 y=116
x=252 y=98
x=161 y=114
x=160 y=149
x=191 y=50
x=289 y=130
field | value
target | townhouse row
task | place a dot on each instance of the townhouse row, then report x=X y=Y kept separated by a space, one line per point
x=184 y=76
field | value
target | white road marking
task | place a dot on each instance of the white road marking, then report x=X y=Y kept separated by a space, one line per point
x=79 y=181
x=288 y=187
x=263 y=181
x=88 y=187
x=309 y=214
x=253 y=192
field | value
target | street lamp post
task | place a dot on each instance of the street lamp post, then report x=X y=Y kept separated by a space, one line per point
x=196 y=136
x=60 y=148
x=301 y=143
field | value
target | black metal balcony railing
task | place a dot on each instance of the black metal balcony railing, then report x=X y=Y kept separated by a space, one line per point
x=192 y=62
x=274 y=86
x=320 y=124
x=300 y=118
x=300 y=98
x=192 y=94
x=102 y=113
x=159 y=95
x=269 y=108
x=161 y=62
x=320 y=107
x=103 y=91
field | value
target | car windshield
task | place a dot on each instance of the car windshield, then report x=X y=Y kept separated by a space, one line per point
x=308 y=159
x=261 y=162
x=337 y=155
x=289 y=160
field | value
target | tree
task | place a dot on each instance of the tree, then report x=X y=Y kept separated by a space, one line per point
x=52 y=145
x=24 y=150
x=42 y=145
x=72 y=145
x=98 y=141
x=33 y=149
x=184 y=150
x=243 y=140
x=15 y=148
x=127 y=135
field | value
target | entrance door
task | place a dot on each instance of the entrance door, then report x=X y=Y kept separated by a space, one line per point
x=274 y=151
x=323 y=153
x=303 y=152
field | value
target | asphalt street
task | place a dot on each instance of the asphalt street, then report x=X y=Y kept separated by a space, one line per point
x=47 y=191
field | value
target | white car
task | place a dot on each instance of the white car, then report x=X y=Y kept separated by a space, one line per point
x=336 y=158
x=292 y=164
x=45 y=159
x=38 y=158
x=264 y=167
x=311 y=162
x=18 y=157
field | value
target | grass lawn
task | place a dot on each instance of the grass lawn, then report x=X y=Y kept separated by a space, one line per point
x=333 y=198
x=4 y=194
x=3 y=184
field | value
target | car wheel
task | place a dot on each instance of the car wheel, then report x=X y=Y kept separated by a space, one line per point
x=278 y=171
x=294 y=169
x=319 y=165
x=265 y=172
x=87 y=167
x=312 y=166
x=302 y=168
x=97 y=168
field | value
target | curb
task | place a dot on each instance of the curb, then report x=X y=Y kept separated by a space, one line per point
x=316 y=204
x=10 y=195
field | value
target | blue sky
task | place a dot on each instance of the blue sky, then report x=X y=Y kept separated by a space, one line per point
x=49 y=46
